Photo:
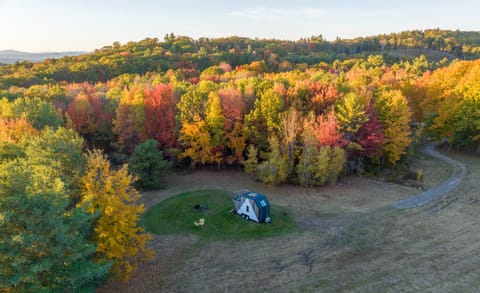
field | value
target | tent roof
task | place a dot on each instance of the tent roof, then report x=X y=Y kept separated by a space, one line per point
x=260 y=199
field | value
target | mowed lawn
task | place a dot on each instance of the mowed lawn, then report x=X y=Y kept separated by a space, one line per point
x=177 y=215
x=347 y=238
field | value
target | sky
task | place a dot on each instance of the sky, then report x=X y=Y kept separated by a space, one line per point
x=74 y=25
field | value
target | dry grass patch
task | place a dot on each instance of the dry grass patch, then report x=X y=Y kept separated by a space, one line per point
x=348 y=240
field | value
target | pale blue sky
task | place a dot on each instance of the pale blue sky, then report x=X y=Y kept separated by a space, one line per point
x=60 y=25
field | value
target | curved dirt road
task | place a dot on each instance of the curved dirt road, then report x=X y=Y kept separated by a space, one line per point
x=458 y=174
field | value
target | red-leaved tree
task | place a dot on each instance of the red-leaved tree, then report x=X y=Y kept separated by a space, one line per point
x=160 y=115
x=326 y=130
x=233 y=106
x=371 y=135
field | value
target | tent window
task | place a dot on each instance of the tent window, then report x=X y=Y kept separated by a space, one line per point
x=248 y=208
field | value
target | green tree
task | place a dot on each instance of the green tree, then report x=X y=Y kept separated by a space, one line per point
x=275 y=169
x=215 y=120
x=41 y=113
x=148 y=165
x=312 y=168
x=351 y=115
x=251 y=163
x=58 y=153
x=305 y=169
x=336 y=163
x=43 y=241
x=264 y=119
x=192 y=104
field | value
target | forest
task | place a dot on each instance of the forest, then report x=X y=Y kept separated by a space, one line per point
x=81 y=135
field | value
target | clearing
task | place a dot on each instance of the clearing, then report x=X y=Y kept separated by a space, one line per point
x=349 y=238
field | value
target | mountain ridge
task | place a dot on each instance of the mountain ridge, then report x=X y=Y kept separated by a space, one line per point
x=10 y=56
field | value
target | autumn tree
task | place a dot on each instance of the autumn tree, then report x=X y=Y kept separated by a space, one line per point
x=318 y=164
x=233 y=106
x=233 y=109
x=290 y=128
x=371 y=136
x=454 y=110
x=306 y=170
x=215 y=123
x=251 y=163
x=86 y=114
x=14 y=133
x=350 y=115
x=264 y=119
x=196 y=142
x=194 y=103
x=129 y=124
x=394 y=114
x=159 y=106
x=109 y=194
x=126 y=128
x=336 y=163
x=326 y=130
x=321 y=96
x=236 y=142
x=274 y=170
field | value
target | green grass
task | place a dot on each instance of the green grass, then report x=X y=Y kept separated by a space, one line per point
x=177 y=214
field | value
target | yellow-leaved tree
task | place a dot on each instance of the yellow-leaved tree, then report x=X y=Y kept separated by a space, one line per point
x=111 y=195
x=394 y=114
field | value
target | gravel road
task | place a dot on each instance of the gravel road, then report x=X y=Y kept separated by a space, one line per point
x=437 y=192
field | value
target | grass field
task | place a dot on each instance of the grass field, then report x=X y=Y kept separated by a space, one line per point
x=177 y=215
x=348 y=239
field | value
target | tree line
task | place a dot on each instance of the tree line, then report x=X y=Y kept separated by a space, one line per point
x=181 y=52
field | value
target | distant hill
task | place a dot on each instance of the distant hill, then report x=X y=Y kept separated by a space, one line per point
x=12 y=56
x=191 y=56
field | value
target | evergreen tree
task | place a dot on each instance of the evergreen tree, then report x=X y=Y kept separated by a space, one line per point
x=43 y=241
x=148 y=165
x=58 y=153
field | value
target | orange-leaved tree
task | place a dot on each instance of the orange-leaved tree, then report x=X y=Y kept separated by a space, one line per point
x=15 y=129
x=110 y=194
